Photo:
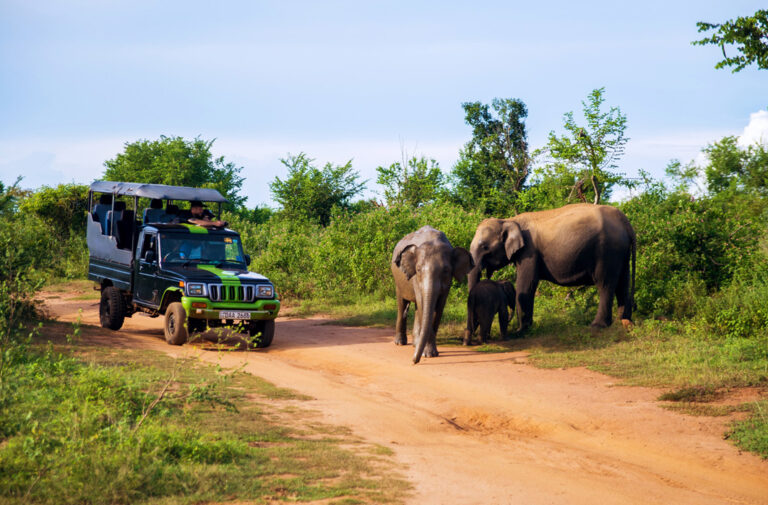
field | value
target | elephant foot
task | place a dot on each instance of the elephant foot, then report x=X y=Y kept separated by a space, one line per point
x=627 y=324
x=430 y=353
x=401 y=340
x=467 y=338
x=598 y=325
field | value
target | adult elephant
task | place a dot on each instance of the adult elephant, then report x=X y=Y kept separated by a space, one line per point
x=575 y=245
x=423 y=264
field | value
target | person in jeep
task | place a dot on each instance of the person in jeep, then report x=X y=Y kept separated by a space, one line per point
x=199 y=215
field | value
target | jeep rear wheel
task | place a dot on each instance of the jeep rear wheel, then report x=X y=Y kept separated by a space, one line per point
x=262 y=332
x=176 y=324
x=111 y=308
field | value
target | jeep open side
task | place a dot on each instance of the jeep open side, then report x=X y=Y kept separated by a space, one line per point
x=161 y=265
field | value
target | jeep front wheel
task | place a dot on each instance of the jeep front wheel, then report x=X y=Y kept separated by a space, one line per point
x=111 y=308
x=262 y=332
x=176 y=324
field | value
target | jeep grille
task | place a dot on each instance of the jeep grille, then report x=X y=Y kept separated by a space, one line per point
x=231 y=293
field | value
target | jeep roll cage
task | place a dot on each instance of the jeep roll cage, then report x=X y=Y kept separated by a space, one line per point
x=118 y=226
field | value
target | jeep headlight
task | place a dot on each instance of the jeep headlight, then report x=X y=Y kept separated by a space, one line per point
x=265 y=291
x=196 y=289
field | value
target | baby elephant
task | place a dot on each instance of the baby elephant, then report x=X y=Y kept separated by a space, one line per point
x=487 y=299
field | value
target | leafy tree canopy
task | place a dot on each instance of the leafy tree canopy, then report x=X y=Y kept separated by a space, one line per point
x=749 y=35
x=177 y=162
x=413 y=183
x=311 y=193
x=587 y=155
x=494 y=164
x=730 y=168
x=9 y=197
x=62 y=207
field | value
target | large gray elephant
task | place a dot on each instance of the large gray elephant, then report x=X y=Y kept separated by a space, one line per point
x=423 y=264
x=576 y=245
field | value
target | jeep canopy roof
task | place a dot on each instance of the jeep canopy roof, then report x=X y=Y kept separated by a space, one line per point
x=158 y=191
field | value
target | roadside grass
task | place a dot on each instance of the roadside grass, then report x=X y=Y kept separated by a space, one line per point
x=665 y=354
x=91 y=425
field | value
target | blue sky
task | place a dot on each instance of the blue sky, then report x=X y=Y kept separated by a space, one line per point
x=352 y=80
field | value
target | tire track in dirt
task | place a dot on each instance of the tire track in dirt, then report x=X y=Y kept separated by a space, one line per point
x=473 y=428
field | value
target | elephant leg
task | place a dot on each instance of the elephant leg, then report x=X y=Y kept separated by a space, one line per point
x=623 y=299
x=401 y=323
x=471 y=323
x=503 y=320
x=604 y=317
x=526 y=284
x=486 y=320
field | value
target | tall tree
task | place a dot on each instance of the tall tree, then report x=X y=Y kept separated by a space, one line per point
x=411 y=183
x=748 y=35
x=311 y=193
x=590 y=152
x=736 y=168
x=178 y=162
x=494 y=164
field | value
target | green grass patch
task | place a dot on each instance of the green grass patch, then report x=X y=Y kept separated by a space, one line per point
x=90 y=425
x=752 y=434
x=691 y=394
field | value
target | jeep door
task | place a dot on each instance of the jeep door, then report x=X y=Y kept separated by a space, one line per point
x=145 y=286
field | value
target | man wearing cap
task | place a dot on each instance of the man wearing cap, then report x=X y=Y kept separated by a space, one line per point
x=199 y=215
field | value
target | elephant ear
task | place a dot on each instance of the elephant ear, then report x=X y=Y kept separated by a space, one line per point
x=462 y=263
x=406 y=261
x=513 y=238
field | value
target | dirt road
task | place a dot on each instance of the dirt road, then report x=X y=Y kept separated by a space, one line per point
x=472 y=428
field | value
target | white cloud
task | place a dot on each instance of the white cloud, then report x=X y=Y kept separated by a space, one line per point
x=757 y=129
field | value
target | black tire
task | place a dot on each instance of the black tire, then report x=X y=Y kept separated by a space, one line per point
x=176 y=324
x=111 y=308
x=262 y=333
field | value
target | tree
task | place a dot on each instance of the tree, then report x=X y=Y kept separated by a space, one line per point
x=494 y=164
x=178 y=162
x=732 y=168
x=748 y=33
x=9 y=197
x=413 y=183
x=63 y=208
x=590 y=152
x=311 y=193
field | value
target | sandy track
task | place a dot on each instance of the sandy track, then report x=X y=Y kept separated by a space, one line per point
x=472 y=428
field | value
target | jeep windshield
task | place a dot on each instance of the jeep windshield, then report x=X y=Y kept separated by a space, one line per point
x=219 y=250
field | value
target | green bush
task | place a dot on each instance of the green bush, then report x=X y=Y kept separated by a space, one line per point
x=351 y=255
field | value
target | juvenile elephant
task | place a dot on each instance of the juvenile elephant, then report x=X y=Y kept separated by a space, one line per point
x=575 y=245
x=423 y=264
x=487 y=299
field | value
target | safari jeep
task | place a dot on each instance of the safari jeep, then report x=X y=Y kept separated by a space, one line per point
x=197 y=277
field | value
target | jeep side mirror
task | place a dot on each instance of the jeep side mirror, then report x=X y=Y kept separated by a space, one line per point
x=247 y=259
x=149 y=256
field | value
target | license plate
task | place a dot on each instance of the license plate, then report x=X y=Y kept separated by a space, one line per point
x=234 y=314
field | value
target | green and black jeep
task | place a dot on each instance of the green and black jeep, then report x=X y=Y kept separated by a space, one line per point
x=159 y=264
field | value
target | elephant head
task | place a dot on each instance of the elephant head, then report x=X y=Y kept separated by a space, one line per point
x=494 y=246
x=429 y=269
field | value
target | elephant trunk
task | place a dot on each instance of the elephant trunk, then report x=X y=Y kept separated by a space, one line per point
x=427 y=329
x=473 y=277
